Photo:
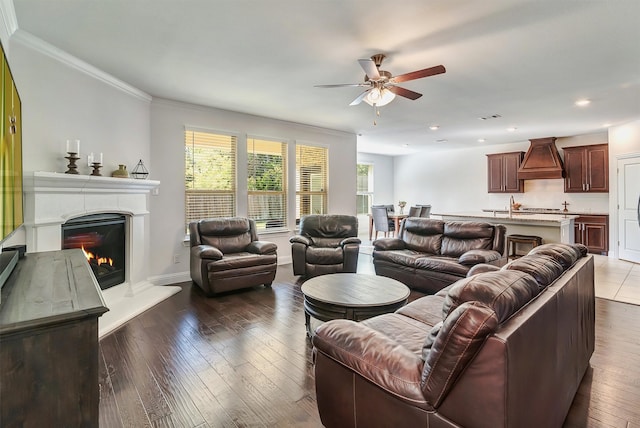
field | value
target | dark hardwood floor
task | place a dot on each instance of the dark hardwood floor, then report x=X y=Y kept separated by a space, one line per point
x=243 y=359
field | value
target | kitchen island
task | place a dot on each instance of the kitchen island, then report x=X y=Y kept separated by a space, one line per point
x=550 y=227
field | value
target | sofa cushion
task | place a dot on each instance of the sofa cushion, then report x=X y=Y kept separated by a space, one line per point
x=324 y=255
x=565 y=254
x=462 y=334
x=442 y=264
x=325 y=242
x=400 y=257
x=233 y=261
x=504 y=291
x=460 y=237
x=427 y=309
x=544 y=269
x=423 y=234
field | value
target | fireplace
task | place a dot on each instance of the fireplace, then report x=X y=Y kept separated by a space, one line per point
x=102 y=239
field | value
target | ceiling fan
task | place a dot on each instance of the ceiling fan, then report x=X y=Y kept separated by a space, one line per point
x=382 y=85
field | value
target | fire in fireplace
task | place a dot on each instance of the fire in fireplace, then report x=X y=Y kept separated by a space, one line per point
x=102 y=239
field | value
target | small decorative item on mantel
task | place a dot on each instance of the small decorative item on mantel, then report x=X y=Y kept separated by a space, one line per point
x=121 y=172
x=140 y=172
x=73 y=150
x=402 y=204
x=95 y=162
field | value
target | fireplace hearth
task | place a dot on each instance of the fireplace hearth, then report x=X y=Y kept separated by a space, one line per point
x=102 y=239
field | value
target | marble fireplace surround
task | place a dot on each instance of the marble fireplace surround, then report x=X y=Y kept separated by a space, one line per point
x=53 y=198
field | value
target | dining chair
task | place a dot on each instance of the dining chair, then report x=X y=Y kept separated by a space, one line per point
x=425 y=211
x=381 y=220
x=415 y=211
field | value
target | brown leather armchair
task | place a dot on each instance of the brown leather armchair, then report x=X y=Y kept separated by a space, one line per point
x=325 y=244
x=227 y=255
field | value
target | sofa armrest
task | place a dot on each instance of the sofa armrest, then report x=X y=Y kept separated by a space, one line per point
x=262 y=247
x=300 y=240
x=372 y=355
x=474 y=257
x=206 y=252
x=350 y=240
x=389 y=244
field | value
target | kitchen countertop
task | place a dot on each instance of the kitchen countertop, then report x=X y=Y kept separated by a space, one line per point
x=521 y=217
x=543 y=211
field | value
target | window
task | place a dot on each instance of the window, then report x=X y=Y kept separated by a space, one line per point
x=364 y=188
x=209 y=175
x=266 y=182
x=311 y=180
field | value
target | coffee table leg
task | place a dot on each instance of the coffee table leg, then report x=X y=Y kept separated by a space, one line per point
x=307 y=323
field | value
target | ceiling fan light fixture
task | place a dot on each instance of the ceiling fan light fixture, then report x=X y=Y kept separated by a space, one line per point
x=379 y=97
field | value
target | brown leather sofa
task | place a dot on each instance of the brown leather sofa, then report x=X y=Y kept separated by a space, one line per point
x=429 y=254
x=506 y=348
x=227 y=255
x=325 y=243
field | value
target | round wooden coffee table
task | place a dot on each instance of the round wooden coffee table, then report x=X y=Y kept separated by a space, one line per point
x=351 y=296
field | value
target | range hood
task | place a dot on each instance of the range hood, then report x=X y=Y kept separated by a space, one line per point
x=542 y=160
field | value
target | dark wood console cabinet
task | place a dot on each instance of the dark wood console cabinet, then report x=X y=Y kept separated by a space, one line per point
x=502 y=172
x=587 y=169
x=49 y=342
x=593 y=231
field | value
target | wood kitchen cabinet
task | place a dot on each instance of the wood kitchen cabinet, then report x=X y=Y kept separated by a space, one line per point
x=593 y=231
x=502 y=172
x=587 y=168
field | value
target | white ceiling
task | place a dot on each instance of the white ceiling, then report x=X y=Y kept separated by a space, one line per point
x=527 y=61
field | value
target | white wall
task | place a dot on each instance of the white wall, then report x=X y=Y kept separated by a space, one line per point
x=168 y=120
x=60 y=101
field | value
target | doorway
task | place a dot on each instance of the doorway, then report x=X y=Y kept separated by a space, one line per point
x=628 y=208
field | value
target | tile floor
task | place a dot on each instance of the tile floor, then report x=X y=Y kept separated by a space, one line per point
x=617 y=280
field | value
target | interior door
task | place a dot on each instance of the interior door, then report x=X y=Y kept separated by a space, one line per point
x=628 y=212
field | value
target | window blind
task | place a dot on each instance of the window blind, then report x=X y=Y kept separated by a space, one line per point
x=311 y=180
x=266 y=182
x=210 y=175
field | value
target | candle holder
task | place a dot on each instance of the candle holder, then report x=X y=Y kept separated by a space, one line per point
x=96 y=168
x=72 y=158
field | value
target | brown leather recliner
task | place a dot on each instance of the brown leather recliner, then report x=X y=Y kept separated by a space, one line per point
x=325 y=244
x=227 y=255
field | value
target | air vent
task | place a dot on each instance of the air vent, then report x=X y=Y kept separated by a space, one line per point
x=493 y=116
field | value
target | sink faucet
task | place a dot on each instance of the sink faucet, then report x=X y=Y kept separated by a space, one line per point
x=511 y=202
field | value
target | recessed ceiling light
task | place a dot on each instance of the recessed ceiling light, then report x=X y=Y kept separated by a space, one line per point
x=606 y=125
x=442 y=141
x=434 y=127
x=481 y=140
x=512 y=129
x=405 y=145
x=583 y=102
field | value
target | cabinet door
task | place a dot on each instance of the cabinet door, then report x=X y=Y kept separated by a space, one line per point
x=511 y=163
x=495 y=173
x=597 y=168
x=574 y=167
x=593 y=231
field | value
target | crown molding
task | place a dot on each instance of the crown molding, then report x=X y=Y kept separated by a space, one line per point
x=8 y=17
x=29 y=40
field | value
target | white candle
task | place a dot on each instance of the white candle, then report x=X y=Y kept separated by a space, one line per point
x=99 y=158
x=90 y=158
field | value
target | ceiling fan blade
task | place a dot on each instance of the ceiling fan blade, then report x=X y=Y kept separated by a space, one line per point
x=360 y=98
x=341 y=85
x=370 y=68
x=419 y=74
x=404 y=92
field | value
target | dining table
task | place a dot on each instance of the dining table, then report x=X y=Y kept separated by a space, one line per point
x=397 y=218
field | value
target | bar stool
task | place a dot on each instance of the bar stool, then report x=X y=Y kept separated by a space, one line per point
x=514 y=240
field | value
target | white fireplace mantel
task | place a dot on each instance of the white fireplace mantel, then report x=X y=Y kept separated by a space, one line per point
x=53 y=198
